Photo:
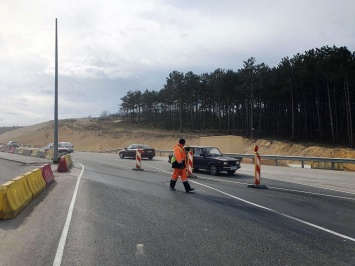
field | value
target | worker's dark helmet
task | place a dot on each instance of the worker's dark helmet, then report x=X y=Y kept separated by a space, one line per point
x=182 y=141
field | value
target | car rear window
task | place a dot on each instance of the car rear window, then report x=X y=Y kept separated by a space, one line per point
x=144 y=147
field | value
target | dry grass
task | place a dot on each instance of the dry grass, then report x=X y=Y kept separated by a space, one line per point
x=104 y=135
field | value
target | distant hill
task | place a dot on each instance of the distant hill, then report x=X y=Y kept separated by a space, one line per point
x=6 y=129
x=100 y=135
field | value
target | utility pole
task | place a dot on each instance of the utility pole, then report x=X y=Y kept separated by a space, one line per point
x=55 y=144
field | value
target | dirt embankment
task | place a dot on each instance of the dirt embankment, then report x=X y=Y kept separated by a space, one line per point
x=104 y=135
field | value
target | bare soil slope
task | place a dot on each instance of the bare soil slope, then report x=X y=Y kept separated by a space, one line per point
x=104 y=135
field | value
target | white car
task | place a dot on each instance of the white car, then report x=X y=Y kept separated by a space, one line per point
x=68 y=145
x=12 y=143
x=61 y=148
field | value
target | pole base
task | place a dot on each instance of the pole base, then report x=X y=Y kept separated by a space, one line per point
x=258 y=186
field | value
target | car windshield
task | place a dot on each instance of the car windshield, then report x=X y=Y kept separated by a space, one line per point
x=213 y=151
x=66 y=143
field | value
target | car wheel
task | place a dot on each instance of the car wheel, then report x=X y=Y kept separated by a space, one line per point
x=230 y=172
x=121 y=155
x=150 y=158
x=213 y=169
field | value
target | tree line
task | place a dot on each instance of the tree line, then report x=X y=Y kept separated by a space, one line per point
x=308 y=97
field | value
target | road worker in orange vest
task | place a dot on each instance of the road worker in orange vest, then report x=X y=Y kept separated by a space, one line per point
x=179 y=164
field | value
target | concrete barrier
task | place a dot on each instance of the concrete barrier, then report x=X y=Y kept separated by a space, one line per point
x=27 y=152
x=328 y=166
x=41 y=154
x=35 y=182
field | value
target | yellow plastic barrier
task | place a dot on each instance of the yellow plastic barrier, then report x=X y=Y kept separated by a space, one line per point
x=35 y=182
x=68 y=161
x=1 y=202
x=24 y=188
x=13 y=200
x=34 y=152
x=20 y=151
x=49 y=155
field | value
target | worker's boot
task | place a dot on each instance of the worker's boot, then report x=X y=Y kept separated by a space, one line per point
x=172 y=184
x=187 y=186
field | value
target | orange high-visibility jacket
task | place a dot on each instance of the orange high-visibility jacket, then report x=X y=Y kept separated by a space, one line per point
x=179 y=153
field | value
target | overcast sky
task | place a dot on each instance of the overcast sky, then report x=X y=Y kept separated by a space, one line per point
x=108 y=47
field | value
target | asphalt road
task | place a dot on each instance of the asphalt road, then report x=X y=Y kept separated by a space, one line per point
x=105 y=213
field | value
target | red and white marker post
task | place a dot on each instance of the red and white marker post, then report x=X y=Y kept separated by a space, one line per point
x=189 y=159
x=190 y=163
x=257 y=166
x=257 y=163
x=138 y=161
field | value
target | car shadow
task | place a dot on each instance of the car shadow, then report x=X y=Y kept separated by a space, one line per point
x=223 y=174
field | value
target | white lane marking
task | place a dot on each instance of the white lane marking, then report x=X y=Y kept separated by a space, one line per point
x=271 y=210
x=140 y=250
x=279 y=213
x=63 y=238
x=286 y=179
x=336 y=190
x=278 y=188
x=285 y=189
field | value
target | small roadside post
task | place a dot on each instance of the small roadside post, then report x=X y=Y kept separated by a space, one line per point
x=257 y=168
x=138 y=161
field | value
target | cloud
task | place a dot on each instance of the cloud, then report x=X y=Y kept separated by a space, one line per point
x=109 y=47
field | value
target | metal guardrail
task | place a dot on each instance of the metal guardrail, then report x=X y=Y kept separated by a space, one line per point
x=302 y=159
x=275 y=158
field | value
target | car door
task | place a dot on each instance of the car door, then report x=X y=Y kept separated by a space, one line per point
x=198 y=162
x=133 y=150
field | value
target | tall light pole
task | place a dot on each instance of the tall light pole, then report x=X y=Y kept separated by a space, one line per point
x=55 y=144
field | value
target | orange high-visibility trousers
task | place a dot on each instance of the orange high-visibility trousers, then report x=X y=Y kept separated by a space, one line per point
x=179 y=172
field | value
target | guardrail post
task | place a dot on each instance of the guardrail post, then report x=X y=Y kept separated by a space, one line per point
x=302 y=163
x=276 y=164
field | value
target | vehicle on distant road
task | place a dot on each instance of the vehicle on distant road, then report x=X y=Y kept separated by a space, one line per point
x=68 y=145
x=61 y=148
x=12 y=143
x=147 y=152
x=211 y=159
